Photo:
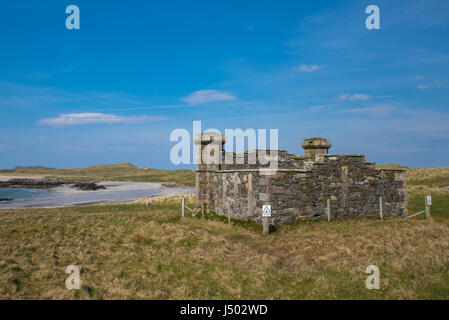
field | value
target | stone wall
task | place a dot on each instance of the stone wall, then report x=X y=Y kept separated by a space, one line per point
x=301 y=187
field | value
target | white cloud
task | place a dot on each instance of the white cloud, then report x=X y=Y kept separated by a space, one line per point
x=354 y=97
x=310 y=68
x=321 y=108
x=418 y=77
x=381 y=111
x=359 y=96
x=436 y=84
x=204 y=96
x=70 y=119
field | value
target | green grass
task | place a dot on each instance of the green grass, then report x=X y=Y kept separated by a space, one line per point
x=429 y=181
x=439 y=208
x=150 y=252
x=116 y=172
x=316 y=139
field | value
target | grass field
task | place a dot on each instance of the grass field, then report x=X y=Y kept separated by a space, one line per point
x=135 y=251
x=115 y=172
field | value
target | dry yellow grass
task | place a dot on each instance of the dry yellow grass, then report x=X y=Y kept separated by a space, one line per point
x=165 y=199
x=149 y=252
x=426 y=174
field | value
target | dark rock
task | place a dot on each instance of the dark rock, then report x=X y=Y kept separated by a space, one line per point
x=87 y=186
x=31 y=183
x=169 y=185
x=6 y=199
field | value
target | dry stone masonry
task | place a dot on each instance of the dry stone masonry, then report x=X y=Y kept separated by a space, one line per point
x=301 y=186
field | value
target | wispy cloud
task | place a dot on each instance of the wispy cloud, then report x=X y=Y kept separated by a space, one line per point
x=204 y=96
x=380 y=111
x=70 y=119
x=354 y=97
x=434 y=84
x=321 y=108
x=13 y=95
x=310 y=68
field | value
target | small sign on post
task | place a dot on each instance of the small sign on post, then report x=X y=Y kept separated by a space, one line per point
x=266 y=210
x=428 y=204
x=266 y=213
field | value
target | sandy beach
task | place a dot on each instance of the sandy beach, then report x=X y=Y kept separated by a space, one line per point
x=4 y=177
x=65 y=195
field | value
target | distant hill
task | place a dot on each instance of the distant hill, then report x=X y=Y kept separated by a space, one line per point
x=31 y=168
x=118 y=172
x=117 y=165
x=391 y=166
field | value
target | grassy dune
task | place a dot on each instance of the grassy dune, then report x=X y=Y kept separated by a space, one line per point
x=116 y=172
x=134 y=251
x=429 y=181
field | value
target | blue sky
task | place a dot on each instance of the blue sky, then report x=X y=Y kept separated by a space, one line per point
x=115 y=89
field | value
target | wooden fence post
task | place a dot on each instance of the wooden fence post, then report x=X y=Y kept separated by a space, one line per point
x=202 y=210
x=229 y=217
x=265 y=226
x=328 y=210
x=182 y=207
x=381 y=208
x=427 y=212
x=426 y=201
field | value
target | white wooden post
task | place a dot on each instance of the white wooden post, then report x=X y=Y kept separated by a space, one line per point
x=328 y=210
x=182 y=207
x=428 y=202
x=381 y=208
x=265 y=226
x=229 y=217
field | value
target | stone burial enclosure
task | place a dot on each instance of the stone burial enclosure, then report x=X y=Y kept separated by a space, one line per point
x=301 y=188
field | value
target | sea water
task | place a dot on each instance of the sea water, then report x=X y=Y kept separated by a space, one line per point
x=67 y=196
x=20 y=193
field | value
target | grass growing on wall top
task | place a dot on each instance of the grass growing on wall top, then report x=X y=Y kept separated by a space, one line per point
x=316 y=139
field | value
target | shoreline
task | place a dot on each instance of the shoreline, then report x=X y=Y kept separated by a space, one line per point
x=109 y=192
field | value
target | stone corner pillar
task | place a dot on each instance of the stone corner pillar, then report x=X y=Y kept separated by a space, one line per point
x=208 y=154
x=314 y=146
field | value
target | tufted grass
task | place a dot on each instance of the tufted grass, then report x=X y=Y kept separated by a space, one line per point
x=139 y=252
x=133 y=251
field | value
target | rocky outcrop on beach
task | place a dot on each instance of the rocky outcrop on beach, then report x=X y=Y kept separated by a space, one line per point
x=88 y=186
x=169 y=185
x=31 y=183
x=6 y=199
x=47 y=183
